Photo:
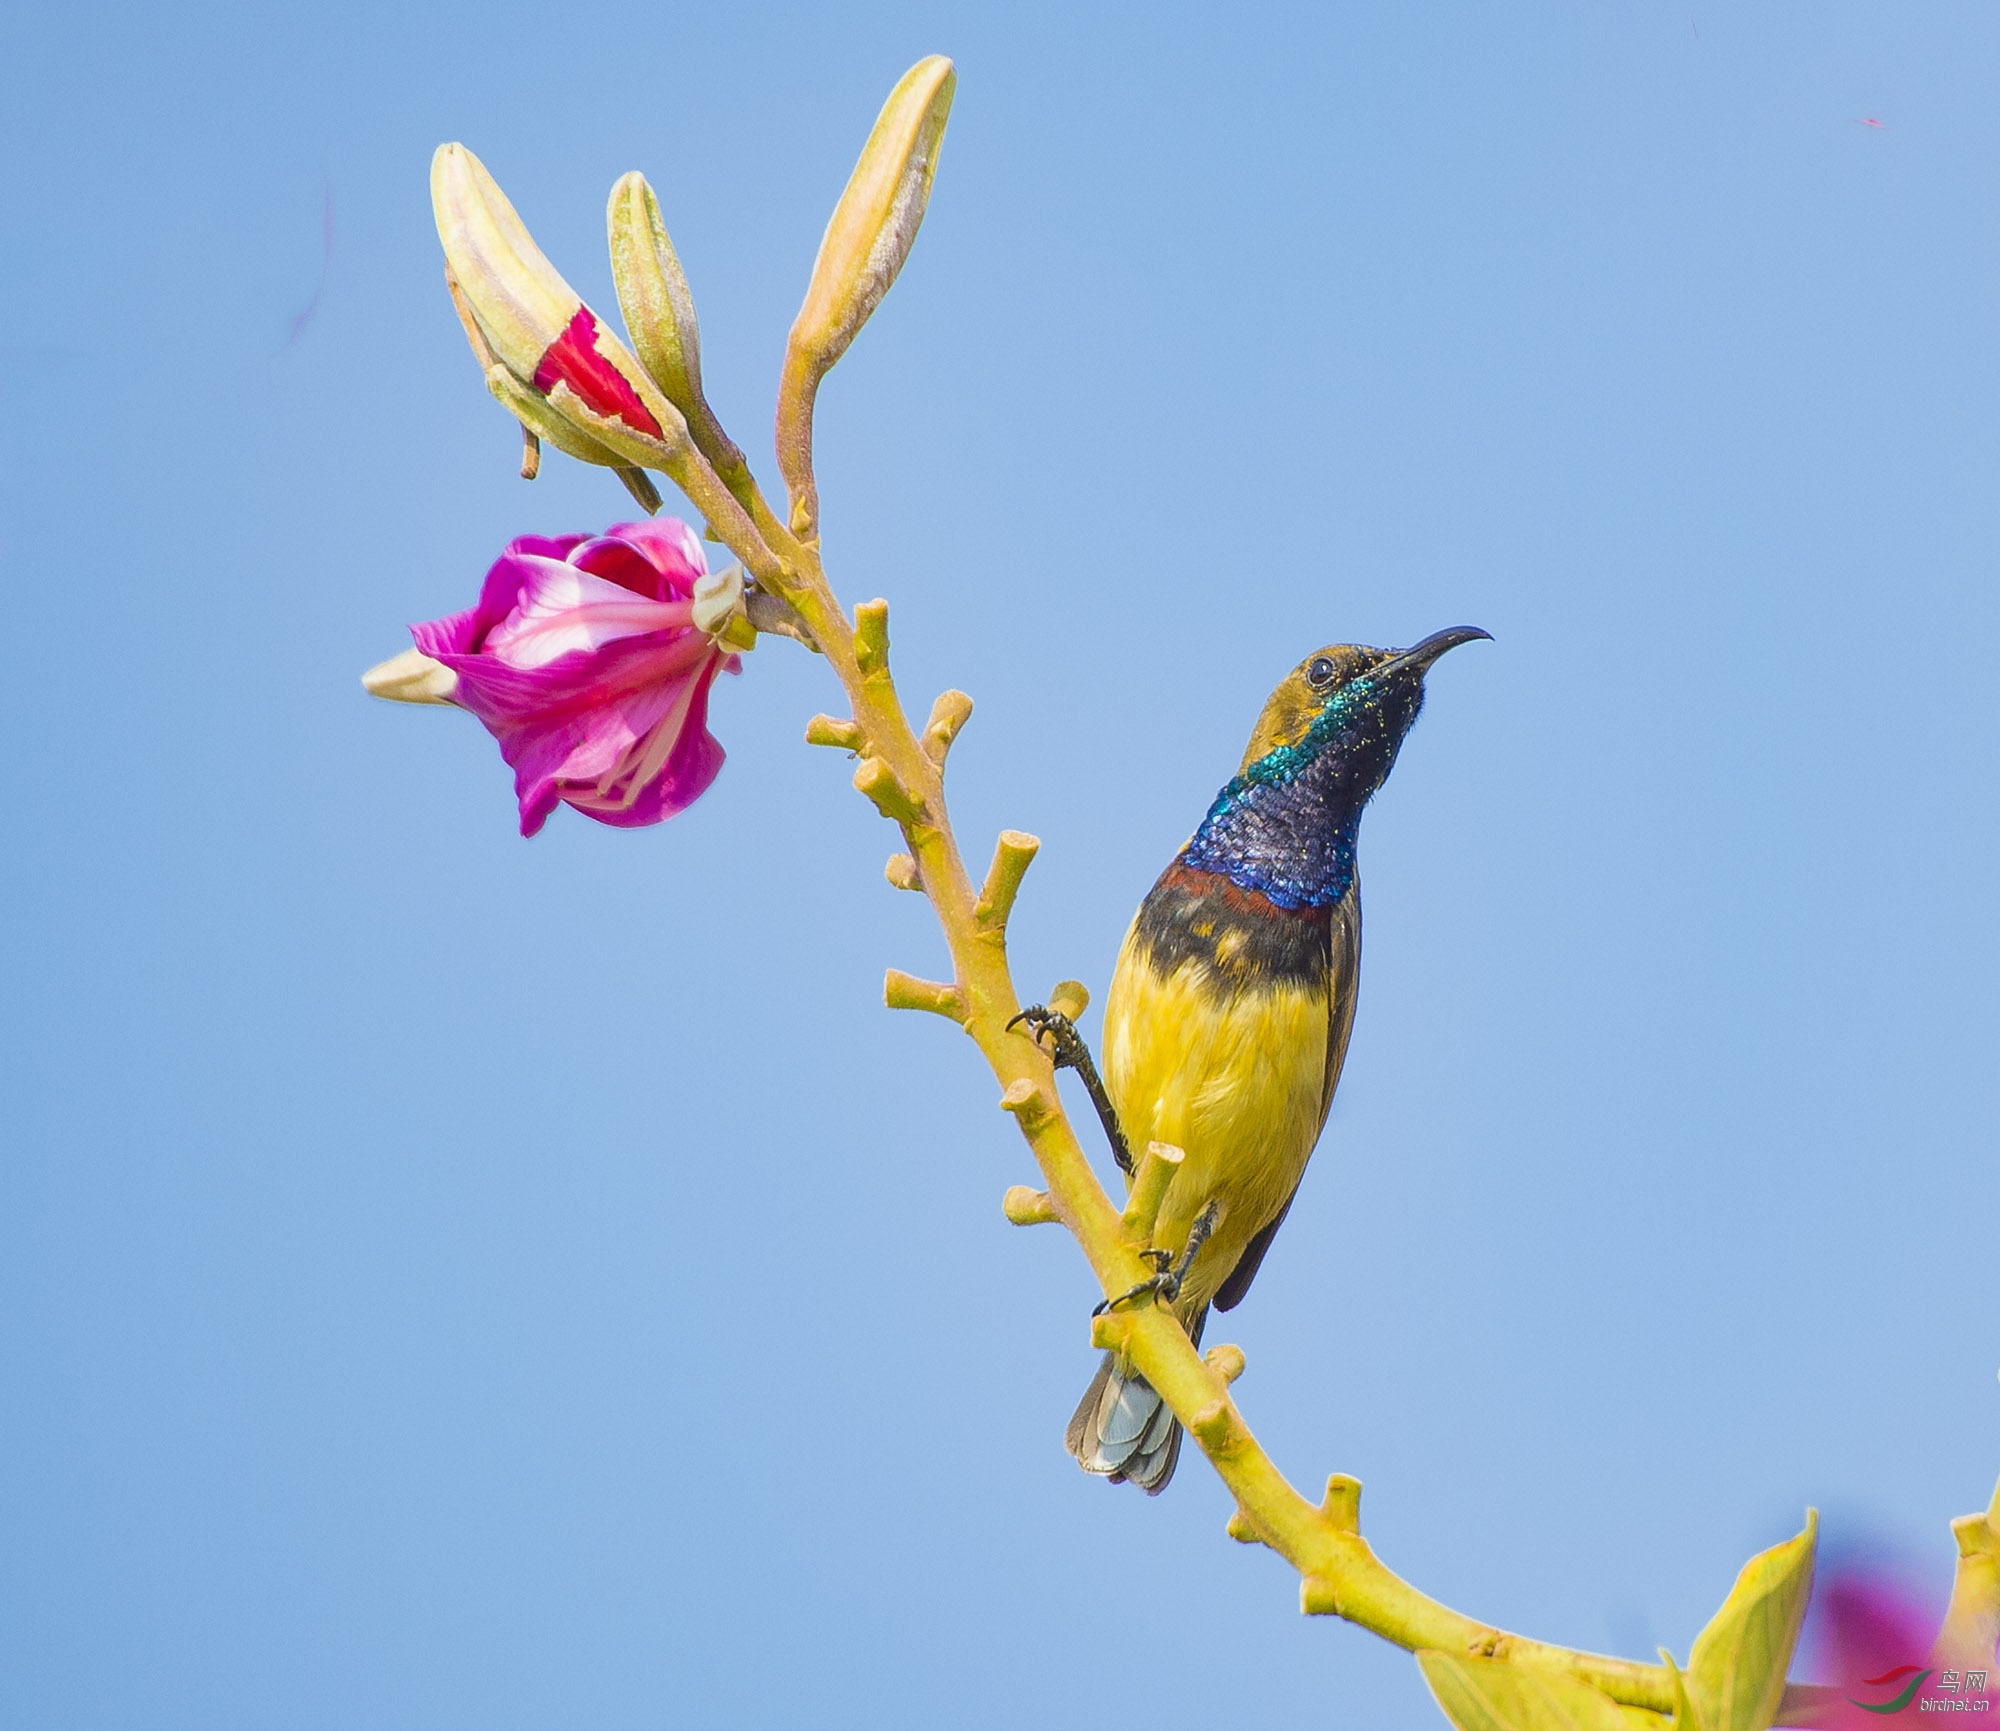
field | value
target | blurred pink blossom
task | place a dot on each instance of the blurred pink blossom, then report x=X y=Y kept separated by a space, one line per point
x=1867 y=1644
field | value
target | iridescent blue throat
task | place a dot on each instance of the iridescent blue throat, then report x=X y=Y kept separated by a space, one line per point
x=1286 y=826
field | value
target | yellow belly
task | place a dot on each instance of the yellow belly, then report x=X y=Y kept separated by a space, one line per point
x=1235 y=1076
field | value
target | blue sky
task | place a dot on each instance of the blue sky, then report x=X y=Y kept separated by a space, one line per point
x=452 y=1280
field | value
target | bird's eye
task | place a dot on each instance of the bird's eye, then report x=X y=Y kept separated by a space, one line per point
x=1320 y=672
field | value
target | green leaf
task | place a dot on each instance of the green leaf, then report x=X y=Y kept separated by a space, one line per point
x=1685 y=1717
x=1492 y=1695
x=1736 y=1672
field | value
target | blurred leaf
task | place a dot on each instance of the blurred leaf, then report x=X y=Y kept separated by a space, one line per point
x=1736 y=1673
x=1492 y=1695
x=1685 y=1718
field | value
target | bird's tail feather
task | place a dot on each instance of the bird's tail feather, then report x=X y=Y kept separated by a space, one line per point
x=1122 y=1427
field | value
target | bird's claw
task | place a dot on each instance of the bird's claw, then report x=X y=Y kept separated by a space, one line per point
x=1065 y=1045
x=1163 y=1288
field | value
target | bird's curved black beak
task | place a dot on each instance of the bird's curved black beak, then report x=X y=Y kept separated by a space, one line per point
x=1419 y=656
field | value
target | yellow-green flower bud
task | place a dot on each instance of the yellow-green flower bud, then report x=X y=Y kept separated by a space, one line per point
x=870 y=235
x=659 y=312
x=519 y=300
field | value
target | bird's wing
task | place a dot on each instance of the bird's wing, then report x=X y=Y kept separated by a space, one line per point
x=1343 y=973
x=1230 y=1293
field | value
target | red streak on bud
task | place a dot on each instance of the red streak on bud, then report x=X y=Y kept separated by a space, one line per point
x=573 y=359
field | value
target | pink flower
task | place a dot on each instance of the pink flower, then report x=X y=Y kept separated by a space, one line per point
x=589 y=658
x=1870 y=1638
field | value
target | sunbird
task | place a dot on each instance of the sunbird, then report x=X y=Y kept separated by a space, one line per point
x=1226 y=1024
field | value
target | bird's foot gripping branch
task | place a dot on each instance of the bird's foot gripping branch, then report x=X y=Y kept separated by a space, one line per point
x=590 y=659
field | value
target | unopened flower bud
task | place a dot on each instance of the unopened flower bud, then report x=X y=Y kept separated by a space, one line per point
x=412 y=677
x=870 y=235
x=875 y=224
x=659 y=312
x=546 y=354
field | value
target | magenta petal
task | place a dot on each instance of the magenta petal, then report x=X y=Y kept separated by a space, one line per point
x=578 y=683
x=696 y=763
x=444 y=638
x=563 y=611
x=573 y=360
x=690 y=767
x=547 y=546
x=624 y=564
x=673 y=548
x=536 y=810
x=498 y=595
x=576 y=752
x=463 y=633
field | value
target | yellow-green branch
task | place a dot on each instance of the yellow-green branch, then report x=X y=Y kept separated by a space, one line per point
x=902 y=774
